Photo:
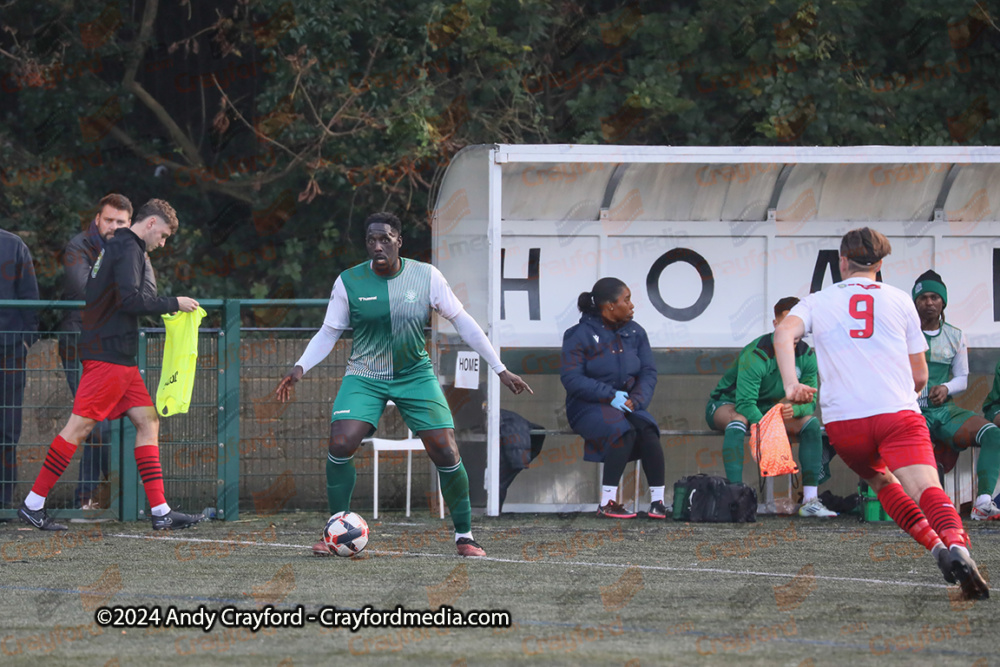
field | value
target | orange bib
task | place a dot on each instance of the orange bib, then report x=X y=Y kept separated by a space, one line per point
x=769 y=445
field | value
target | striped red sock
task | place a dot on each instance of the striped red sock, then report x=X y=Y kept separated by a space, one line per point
x=56 y=459
x=147 y=459
x=940 y=511
x=907 y=515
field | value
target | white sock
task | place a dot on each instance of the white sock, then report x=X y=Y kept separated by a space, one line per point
x=981 y=499
x=959 y=548
x=608 y=494
x=936 y=548
x=34 y=502
x=459 y=536
x=161 y=510
x=656 y=493
x=808 y=493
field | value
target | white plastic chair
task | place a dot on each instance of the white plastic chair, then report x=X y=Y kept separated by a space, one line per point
x=409 y=445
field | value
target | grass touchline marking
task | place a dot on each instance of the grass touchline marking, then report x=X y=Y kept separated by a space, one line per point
x=658 y=568
x=200 y=539
x=665 y=568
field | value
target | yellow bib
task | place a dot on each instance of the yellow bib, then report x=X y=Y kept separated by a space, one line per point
x=180 y=358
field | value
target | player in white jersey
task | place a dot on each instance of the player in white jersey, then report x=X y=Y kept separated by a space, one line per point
x=387 y=302
x=870 y=352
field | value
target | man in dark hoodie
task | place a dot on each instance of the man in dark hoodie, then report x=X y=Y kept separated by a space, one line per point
x=114 y=213
x=120 y=288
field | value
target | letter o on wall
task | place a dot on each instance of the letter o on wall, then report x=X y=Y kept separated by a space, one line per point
x=707 y=284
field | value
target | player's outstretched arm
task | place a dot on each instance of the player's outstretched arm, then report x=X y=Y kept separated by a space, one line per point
x=317 y=350
x=286 y=387
x=474 y=337
x=784 y=351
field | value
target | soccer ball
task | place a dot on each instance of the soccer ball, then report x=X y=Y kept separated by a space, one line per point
x=346 y=534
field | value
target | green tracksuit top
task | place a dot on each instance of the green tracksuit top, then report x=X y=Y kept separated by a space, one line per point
x=753 y=381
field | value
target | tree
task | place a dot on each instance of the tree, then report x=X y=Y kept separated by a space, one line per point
x=276 y=127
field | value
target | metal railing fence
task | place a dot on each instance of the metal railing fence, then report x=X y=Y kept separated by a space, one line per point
x=236 y=449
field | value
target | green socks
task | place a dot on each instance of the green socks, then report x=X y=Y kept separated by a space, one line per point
x=811 y=453
x=340 y=478
x=455 y=490
x=732 y=451
x=988 y=465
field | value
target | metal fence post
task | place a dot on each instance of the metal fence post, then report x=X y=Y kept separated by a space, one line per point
x=116 y=469
x=228 y=477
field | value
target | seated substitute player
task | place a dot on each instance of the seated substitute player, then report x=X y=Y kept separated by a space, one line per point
x=948 y=365
x=991 y=404
x=749 y=388
x=121 y=287
x=870 y=353
x=388 y=302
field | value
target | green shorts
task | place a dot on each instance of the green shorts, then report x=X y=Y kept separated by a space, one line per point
x=418 y=397
x=713 y=405
x=944 y=421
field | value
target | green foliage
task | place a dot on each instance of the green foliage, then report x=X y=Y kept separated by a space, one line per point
x=275 y=127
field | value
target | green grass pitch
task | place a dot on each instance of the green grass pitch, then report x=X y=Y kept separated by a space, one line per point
x=580 y=591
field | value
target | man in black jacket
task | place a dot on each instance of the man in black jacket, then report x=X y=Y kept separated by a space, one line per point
x=114 y=212
x=120 y=288
x=17 y=332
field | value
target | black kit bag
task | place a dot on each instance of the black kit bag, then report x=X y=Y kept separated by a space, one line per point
x=705 y=496
x=737 y=504
x=712 y=499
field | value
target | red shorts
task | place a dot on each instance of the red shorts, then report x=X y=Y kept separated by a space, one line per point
x=108 y=391
x=872 y=444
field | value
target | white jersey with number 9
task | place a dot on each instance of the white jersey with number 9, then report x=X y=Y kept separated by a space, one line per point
x=863 y=332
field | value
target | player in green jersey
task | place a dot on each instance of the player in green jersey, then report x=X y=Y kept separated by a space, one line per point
x=387 y=302
x=749 y=388
x=991 y=404
x=952 y=427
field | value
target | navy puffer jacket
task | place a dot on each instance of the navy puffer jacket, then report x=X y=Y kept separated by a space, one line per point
x=597 y=361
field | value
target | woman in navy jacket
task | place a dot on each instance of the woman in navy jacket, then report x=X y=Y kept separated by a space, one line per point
x=608 y=372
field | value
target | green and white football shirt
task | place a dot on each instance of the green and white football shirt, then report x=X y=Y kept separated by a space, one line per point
x=388 y=315
x=947 y=357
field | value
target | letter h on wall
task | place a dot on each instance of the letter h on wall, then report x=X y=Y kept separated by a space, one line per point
x=529 y=284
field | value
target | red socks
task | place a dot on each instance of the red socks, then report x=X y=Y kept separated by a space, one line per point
x=939 y=510
x=56 y=459
x=935 y=518
x=907 y=515
x=147 y=459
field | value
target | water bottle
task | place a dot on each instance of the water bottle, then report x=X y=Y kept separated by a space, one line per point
x=210 y=513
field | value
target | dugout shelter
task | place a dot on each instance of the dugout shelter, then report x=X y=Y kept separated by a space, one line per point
x=707 y=238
